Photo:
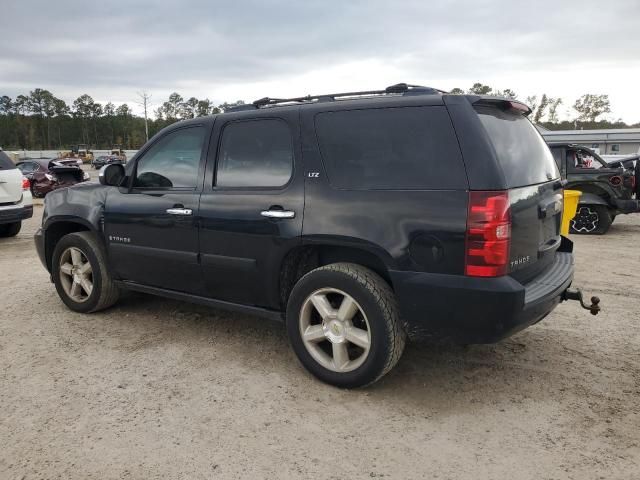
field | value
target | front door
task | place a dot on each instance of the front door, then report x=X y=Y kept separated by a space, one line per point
x=251 y=207
x=151 y=226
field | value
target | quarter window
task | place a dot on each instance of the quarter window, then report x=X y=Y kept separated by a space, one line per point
x=390 y=148
x=255 y=153
x=173 y=161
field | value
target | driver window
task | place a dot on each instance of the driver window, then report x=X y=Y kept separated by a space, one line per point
x=173 y=161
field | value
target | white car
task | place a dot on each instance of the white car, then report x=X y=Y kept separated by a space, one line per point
x=16 y=203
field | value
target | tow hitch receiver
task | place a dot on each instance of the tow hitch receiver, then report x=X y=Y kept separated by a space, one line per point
x=576 y=294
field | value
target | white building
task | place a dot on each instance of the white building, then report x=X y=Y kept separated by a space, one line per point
x=614 y=141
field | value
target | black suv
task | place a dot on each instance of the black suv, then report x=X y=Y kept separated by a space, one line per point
x=607 y=189
x=359 y=219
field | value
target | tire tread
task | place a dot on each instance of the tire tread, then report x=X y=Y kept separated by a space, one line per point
x=386 y=300
x=109 y=291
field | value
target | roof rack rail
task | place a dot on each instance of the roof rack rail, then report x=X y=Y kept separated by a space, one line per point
x=397 y=89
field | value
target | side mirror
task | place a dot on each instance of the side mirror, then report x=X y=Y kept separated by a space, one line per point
x=111 y=174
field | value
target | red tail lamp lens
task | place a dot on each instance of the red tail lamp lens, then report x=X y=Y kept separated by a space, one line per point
x=488 y=234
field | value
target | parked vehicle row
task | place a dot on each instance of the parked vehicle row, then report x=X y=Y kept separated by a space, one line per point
x=46 y=175
x=360 y=219
x=15 y=197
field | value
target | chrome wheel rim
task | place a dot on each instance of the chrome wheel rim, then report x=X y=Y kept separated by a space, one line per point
x=335 y=330
x=76 y=274
x=586 y=220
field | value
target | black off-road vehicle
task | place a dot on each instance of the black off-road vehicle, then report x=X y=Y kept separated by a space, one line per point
x=607 y=189
x=357 y=218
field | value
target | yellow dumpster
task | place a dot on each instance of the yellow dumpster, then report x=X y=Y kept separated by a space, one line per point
x=571 y=198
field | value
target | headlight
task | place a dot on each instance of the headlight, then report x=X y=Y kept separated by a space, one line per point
x=86 y=176
x=50 y=177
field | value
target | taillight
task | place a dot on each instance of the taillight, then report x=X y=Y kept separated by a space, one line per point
x=488 y=234
x=25 y=184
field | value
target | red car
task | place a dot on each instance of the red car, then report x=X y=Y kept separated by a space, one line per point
x=47 y=174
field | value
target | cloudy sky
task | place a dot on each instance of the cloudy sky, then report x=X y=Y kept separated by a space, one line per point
x=236 y=49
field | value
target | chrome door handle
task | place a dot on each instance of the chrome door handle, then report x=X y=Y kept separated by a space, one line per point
x=179 y=211
x=278 y=213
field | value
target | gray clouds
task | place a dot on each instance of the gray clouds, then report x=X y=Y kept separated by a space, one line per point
x=216 y=49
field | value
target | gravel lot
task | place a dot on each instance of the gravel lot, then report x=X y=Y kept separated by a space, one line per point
x=155 y=388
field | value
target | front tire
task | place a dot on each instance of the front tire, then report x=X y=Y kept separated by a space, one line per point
x=80 y=273
x=591 y=220
x=10 y=229
x=343 y=324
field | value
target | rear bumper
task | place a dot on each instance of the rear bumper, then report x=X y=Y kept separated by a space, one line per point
x=628 y=206
x=11 y=215
x=478 y=310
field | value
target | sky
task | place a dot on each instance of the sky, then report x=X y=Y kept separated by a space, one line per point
x=236 y=49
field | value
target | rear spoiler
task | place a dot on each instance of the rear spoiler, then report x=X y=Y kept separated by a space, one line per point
x=501 y=103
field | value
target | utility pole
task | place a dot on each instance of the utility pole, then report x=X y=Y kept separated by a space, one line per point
x=144 y=96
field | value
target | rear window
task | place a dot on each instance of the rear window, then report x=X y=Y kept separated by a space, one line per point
x=5 y=162
x=523 y=154
x=390 y=148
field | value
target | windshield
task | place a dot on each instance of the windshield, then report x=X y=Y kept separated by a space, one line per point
x=523 y=154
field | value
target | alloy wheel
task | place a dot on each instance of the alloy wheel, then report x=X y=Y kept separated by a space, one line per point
x=76 y=274
x=335 y=330
x=586 y=220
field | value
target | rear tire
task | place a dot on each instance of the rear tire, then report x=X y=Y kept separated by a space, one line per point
x=35 y=194
x=357 y=338
x=80 y=273
x=591 y=220
x=10 y=229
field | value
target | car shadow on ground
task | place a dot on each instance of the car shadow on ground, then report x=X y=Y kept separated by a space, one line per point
x=429 y=376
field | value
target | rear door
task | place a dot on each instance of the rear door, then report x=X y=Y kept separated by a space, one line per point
x=535 y=193
x=10 y=181
x=252 y=205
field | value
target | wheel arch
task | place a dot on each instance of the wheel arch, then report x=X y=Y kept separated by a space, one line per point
x=301 y=259
x=57 y=227
x=589 y=198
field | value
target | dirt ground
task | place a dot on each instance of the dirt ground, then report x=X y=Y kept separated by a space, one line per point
x=155 y=388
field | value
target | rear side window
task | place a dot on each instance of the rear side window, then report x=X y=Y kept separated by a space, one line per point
x=391 y=148
x=255 y=153
x=523 y=154
x=28 y=167
x=5 y=162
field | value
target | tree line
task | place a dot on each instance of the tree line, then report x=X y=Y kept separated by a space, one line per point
x=41 y=121
x=585 y=111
